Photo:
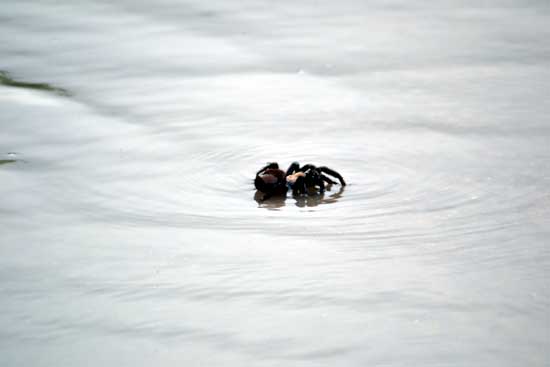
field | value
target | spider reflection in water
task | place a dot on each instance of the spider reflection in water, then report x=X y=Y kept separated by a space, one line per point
x=276 y=202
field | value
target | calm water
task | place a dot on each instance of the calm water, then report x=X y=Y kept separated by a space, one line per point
x=130 y=134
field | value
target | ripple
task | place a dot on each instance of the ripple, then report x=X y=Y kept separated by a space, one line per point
x=187 y=168
x=396 y=193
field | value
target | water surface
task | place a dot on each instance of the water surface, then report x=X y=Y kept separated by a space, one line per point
x=130 y=234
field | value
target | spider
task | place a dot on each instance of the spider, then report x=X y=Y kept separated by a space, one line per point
x=273 y=181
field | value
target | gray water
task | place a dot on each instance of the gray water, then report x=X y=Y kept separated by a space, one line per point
x=131 y=131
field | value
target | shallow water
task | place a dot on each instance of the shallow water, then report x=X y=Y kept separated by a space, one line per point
x=130 y=234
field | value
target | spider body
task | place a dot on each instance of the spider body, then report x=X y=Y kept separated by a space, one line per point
x=308 y=179
x=271 y=180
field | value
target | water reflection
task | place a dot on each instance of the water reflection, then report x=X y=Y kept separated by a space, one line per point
x=275 y=203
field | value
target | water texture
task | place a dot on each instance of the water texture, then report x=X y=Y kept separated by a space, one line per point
x=130 y=232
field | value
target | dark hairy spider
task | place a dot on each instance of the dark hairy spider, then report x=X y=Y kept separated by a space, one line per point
x=273 y=181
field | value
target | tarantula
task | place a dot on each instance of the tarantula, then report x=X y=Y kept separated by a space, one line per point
x=273 y=181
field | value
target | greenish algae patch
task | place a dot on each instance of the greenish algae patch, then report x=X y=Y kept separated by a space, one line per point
x=5 y=79
x=5 y=161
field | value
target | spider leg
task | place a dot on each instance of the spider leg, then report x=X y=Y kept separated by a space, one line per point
x=328 y=180
x=307 y=167
x=333 y=173
x=294 y=167
x=272 y=165
x=313 y=178
x=299 y=186
x=320 y=183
